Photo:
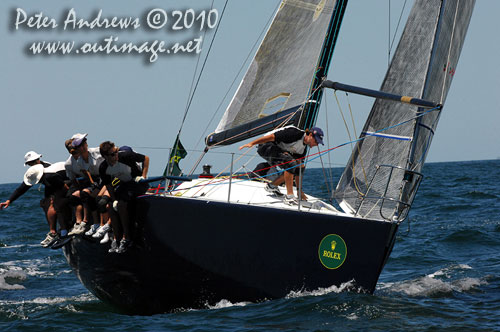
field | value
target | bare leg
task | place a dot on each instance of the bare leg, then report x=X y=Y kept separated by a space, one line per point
x=298 y=182
x=51 y=216
x=289 y=182
x=279 y=180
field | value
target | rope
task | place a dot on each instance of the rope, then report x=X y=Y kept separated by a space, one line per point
x=355 y=131
x=352 y=149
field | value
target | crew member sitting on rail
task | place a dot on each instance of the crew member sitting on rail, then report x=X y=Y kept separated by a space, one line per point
x=285 y=147
x=122 y=176
x=73 y=174
x=88 y=164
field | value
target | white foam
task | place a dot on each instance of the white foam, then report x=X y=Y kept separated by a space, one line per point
x=86 y=297
x=15 y=275
x=322 y=291
x=441 y=281
x=227 y=304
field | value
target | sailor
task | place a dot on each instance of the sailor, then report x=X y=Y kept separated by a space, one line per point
x=73 y=174
x=285 y=147
x=121 y=174
x=53 y=203
x=88 y=165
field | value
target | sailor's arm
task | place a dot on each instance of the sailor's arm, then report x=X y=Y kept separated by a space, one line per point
x=15 y=195
x=260 y=140
x=145 y=167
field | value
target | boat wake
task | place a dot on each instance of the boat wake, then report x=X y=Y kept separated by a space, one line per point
x=347 y=286
x=441 y=282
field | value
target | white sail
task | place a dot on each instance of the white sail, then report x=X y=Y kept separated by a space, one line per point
x=281 y=72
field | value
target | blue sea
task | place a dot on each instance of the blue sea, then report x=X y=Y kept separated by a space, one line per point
x=443 y=274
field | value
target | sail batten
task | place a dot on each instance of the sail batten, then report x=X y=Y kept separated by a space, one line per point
x=383 y=175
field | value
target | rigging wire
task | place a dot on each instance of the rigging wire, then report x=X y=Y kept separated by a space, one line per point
x=201 y=71
x=352 y=149
x=357 y=145
x=391 y=43
x=330 y=172
x=216 y=181
x=190 y=95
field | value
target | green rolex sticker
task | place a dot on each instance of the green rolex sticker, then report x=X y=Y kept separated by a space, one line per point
x=332 y=251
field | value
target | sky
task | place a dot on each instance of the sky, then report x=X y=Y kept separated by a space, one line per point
x=45 y=99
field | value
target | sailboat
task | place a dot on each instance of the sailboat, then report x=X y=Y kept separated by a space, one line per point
x=228 y=238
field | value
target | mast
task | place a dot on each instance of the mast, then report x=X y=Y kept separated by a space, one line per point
x=311 y=106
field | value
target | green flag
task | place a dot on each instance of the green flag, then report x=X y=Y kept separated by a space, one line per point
x=178 y=153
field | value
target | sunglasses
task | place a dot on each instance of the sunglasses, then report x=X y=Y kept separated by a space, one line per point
x=111 y=154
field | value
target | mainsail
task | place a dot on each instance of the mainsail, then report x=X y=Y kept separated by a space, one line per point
x=284 y=68
x=382 y=175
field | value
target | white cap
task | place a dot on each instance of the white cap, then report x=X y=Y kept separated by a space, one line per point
x=30 y=156
x=33 y=175
x=78 y=139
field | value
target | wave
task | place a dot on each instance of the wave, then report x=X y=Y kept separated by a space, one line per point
x=226 y=304
x=441 y=282
x=479 y=195
x=346 y=286
x=8 y=277
x=82 y=298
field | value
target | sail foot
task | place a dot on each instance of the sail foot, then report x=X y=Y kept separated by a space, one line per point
x=379 y=94
x=254 y=128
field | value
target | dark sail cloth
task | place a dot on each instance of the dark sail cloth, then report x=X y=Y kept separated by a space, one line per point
x=287 y=147
x=122 y=174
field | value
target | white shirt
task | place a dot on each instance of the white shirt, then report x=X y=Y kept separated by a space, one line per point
x=94 y=161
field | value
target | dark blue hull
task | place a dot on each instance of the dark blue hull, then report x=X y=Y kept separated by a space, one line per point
x=191 y=253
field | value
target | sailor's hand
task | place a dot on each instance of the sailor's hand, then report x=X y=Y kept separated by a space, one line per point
x=4 y=205
x=115 y=206
x=138 y=179
x=248 y=145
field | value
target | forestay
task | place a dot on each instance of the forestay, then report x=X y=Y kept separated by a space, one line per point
x=381 y=177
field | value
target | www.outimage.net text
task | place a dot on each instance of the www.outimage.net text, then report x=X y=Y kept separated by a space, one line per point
x=112 y=44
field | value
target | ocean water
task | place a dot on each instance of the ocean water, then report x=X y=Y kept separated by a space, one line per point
x=443 y=274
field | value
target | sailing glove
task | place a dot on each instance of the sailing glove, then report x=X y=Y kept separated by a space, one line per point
x=139 y=178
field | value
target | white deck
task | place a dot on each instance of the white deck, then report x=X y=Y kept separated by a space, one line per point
x=248 y=192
